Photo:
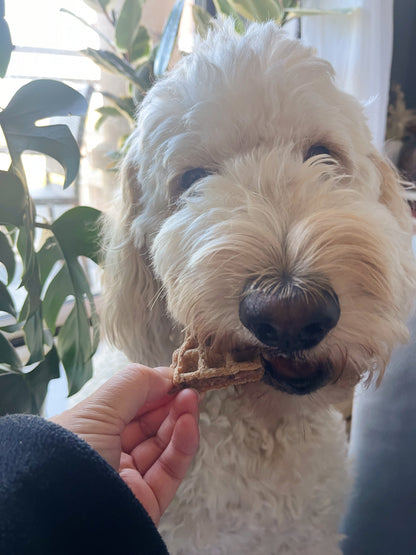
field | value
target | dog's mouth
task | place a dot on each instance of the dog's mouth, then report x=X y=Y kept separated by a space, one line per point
x=295 y=376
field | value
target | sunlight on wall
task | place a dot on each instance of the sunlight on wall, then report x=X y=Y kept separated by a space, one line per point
x=42 y=24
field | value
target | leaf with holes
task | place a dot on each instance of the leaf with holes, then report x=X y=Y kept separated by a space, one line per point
x=76 y=235
x=36 y=101
x=78 y=338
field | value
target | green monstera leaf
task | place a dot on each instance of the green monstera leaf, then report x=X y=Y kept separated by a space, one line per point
x=51 y=273
x=75 y=235
x=32 y=103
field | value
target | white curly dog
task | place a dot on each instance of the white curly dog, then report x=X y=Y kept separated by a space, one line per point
x=255 y=212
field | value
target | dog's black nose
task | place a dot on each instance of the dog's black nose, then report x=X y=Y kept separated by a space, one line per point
x=291 y=318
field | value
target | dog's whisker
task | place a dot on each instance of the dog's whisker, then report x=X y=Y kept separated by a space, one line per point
x=157 y=297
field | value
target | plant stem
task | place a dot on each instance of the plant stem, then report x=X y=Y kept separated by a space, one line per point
x=99 y=33
x=111 y=21
x=42 y=225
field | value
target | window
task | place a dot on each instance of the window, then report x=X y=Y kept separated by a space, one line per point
x=47 y=45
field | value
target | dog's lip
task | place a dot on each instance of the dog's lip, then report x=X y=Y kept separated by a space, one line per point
x=283 y=365
x=294 y=375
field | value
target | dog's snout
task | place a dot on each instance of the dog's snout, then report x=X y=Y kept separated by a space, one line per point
x=290 y=319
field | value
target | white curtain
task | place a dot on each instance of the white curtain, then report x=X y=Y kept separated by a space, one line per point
x=359 y=46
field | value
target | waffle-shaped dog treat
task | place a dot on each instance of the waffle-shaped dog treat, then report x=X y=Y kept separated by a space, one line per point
x=203 y=369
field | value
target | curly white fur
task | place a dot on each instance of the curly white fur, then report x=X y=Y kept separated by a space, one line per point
x=271 y=473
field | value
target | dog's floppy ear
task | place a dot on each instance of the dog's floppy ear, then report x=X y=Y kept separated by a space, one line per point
x=133 y=312
x=393 y=192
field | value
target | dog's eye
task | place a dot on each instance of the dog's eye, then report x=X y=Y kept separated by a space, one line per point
x=317 y=150
x=191 y=176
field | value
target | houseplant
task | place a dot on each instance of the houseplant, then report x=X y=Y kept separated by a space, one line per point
x=45 y=252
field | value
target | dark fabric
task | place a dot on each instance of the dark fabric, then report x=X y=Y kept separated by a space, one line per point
x=58 y=496
x=381 y=517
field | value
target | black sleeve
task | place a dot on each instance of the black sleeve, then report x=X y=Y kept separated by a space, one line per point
x=58 y=496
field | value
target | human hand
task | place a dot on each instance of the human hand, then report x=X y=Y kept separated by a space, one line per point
x=148 y=436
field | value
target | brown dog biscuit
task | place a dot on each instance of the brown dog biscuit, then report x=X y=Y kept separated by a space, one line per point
x=203 y=369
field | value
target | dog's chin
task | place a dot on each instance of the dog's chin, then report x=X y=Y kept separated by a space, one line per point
x=295 y=376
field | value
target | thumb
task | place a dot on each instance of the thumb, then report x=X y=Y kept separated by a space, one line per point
x=132 y=388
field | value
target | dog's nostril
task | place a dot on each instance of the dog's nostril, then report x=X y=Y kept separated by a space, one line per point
x=315 y=330
x=267 y=332
x=290 y=322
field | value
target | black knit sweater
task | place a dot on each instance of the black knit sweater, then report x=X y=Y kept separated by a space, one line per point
x=58 y=496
